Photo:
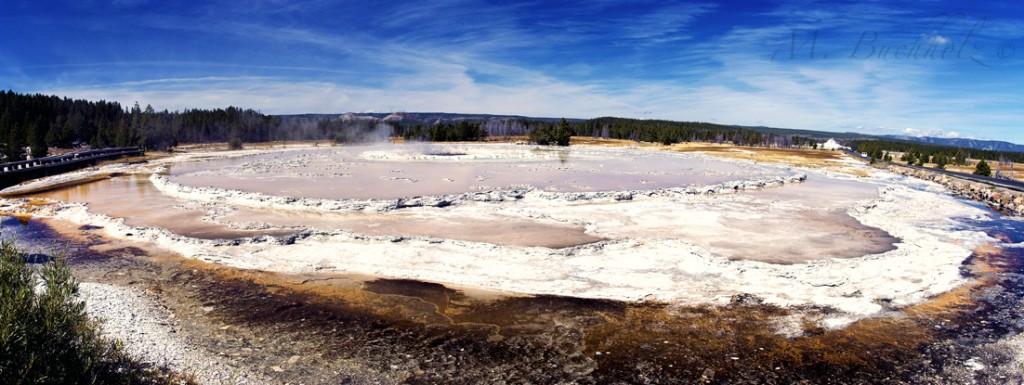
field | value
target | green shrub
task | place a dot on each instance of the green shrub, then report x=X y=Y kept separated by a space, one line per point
x=983 y=169
x=234 y=144
x=46 y=336
x=558 y=134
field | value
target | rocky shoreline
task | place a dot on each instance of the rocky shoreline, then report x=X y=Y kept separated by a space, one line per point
x=1000 y=199
x=149 y=332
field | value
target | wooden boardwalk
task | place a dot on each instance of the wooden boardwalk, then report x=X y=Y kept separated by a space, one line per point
x=16 y=172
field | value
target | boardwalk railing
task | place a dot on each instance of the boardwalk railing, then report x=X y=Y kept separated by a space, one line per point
x=16 y=172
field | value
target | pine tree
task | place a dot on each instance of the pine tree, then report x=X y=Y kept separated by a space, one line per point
x=5 y=135
x=983 y=169
x=14 y=141
x=562 y=133
x=37 y=139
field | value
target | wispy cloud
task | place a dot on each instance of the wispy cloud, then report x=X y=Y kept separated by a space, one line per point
x=800 y=64
x=935 y=133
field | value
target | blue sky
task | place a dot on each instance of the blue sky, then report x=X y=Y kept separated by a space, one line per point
x=941 y=68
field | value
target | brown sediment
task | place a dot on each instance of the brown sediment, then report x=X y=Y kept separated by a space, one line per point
x=38 y=202
x=583 y=340
x=22 y=211
x=358 y=328
x=949 y=303
x=732 y=344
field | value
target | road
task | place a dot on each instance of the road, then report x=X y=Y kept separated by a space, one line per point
x=1004 y=183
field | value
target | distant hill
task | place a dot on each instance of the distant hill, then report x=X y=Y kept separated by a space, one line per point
x=426 y=117
x=821 y=136
x=813 y=134
x=992 y=145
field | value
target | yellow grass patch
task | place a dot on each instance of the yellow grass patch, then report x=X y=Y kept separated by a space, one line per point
x=790 y=156
x=591 y=141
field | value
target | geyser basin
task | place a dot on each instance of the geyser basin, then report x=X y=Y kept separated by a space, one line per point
x=848 y=244
x=409 y=170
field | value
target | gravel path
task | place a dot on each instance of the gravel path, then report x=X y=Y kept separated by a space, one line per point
x=149 y=333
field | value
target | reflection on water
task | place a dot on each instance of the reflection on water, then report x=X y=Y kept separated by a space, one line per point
x=29 y=235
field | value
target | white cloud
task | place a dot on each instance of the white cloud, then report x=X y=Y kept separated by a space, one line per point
x=282 y=96
x=934 y=132
x=938 y=40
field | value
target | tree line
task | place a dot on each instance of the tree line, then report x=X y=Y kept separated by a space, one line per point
x=930 y=153
x=461 y=131
x=39 y=122
x=669 y=132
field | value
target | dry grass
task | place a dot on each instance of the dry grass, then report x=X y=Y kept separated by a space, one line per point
x=1015 y=171
x=591 y=141
x=224 y=146
x=794 y=157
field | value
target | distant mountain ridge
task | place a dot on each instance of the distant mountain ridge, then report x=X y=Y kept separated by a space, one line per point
x=993 y=145
x=431 y=117
x=447 y=117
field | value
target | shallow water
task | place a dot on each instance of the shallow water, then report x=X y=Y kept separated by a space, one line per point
x=148 y=207
x=494 y=229
x=809 y=225
x=133 y=198
x=395 y=171
x=29 y=235
x=795 y=244
x=823 y=193
x=783 y=225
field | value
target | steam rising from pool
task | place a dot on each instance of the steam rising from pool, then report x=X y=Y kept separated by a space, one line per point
x=420 y=169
